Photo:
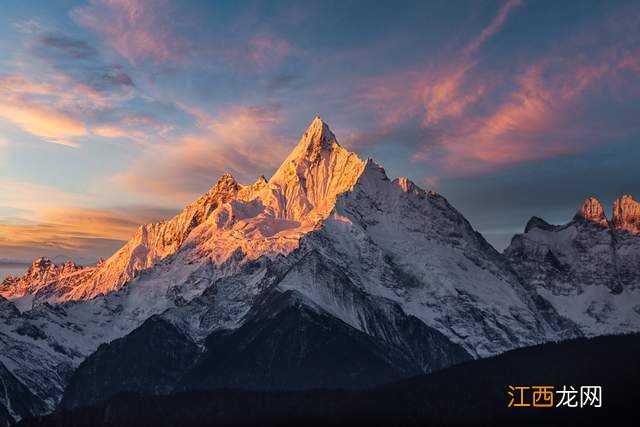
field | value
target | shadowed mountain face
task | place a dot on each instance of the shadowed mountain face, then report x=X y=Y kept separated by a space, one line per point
x=16 y=401
x=150 y=360
x=472 y=393
x=329 y=274
x=288 y=344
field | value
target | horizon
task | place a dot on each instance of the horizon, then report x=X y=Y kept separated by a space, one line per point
x=509 y=109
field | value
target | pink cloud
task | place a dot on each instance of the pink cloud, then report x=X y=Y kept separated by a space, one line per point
x=495 y=25
x=140 y=30
x=56 y=109
x=534 y=121
x=41 y=120
x=242 y=141
x=470 y=124
x=265 y=50
x=135 y=29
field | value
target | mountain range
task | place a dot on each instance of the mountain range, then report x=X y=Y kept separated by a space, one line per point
x=329 y=274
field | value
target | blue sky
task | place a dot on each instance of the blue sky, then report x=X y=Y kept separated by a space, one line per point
x=119 y=112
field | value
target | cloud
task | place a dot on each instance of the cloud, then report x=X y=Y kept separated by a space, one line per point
x=437 y=92
x=495 y=25
x=38 y=220
x=79 y=63
x=536 y=120
x=59 y=108
x=153 y=32
x=64 y=91
x=265 y=50
x=465 y=117
x=41 y=120
x=450 y=95
x=242 y=141
x=111 y=131
x=67 y=46
x=138 y=30
x=279 y=83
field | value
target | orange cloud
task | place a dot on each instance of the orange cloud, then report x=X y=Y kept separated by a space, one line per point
x=462 y=122
x=55 y=109
x=49 y=123
x=43 y=221
x=438 y=93
x=242 y=141
x=533 y=122
x=446 y=97
x=110 y=131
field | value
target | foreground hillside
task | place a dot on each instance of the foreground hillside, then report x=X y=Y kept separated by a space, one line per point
x=471 y=393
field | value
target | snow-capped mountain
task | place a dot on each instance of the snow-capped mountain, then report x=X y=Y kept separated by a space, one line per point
x=229 y=221
x=396 y=273
x=588 y=269
x=41 y=272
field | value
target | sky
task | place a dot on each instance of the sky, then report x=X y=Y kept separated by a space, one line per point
x=115 y=113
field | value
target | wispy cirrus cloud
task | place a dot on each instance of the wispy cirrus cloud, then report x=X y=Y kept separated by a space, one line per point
x=52 y=124
x=433 y=92
x=138 y=30
x=495 y=25
x=153 y=31
x=242 y=140
x=469 y=118
x=56 y=109
x=64 y=92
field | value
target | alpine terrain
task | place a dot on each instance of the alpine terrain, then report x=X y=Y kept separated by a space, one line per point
x=327 y=275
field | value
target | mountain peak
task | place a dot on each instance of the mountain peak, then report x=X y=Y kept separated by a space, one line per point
x=226 y=182
x=626 y=214
x=41 y=262
x=317 y=138
x=592 y=211
x=314 y=173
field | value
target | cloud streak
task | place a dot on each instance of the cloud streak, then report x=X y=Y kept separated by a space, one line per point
x=498 y=21
x=43 y=221
x=242 y=141
x=51 y=124
x=153 y=32
x=475 y=119
x=138 y=30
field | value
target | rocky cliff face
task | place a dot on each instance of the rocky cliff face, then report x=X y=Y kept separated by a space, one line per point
x=41 y=272
x=626 y=214
x=586 y=269
x=592 y=211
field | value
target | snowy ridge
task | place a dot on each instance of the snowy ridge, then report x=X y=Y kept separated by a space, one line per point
x=229 y=221
x=588 y=269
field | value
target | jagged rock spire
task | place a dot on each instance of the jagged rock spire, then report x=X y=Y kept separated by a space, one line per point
x=592 y=211
x=626 y=214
